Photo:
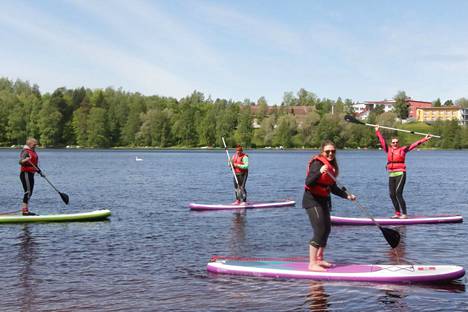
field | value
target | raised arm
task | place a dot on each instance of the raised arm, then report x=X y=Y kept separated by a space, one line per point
x=418 y=142
x=381 y=139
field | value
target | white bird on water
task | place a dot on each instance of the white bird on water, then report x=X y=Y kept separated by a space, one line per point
x=138 y=159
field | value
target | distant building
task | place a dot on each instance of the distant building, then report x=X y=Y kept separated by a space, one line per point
x=413 y=105
x=364 y=108
x=443 y=113
x=299 y=113
x=464 y=116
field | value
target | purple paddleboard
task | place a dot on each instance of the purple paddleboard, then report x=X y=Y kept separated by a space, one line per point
x=390 y=221
x=246 y=205
x=340 y=272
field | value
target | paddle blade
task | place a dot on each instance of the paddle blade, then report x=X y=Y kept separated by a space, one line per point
x=391 y=236
x=65 y=198
x=351 y=118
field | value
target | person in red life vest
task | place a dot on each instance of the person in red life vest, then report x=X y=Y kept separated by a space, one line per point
x=29 y=166
x=240 y=162
x=396 y=168
x=317 y=201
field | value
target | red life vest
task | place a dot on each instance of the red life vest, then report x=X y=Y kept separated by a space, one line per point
x=27 y=167
x=323 y=183
x=237 y=160
x=396 y=159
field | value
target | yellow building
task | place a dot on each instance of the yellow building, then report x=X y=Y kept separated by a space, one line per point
x=428 y=114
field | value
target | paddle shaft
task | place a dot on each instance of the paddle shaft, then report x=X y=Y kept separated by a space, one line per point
x=366 y=211
x=402 y=130
x=230 y=163
x=62 y=195
x=39 y=170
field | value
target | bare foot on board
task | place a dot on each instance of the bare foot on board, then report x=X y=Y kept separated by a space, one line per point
x=316 y=268
x=324 y=264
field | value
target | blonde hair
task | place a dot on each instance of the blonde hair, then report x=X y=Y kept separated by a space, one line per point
x=30 y=140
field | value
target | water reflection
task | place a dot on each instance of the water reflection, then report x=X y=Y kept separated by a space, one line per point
x=397 y=255
x=317 y=298
x=26 y=259
x=237 y=237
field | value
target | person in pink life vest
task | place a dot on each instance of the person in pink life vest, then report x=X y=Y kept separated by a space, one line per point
x=29 y=161
x=317 y=201
x=396 y=169
x=240 y=162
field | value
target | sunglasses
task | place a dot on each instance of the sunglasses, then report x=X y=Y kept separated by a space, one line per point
x=330 y=152
x=394 y=142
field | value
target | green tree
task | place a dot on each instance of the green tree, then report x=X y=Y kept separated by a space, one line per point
x=285 y=131
x=373 y=114
x=207 y=127
x=264 y=135
x=289 y=99
x=227 y=122
x=80 y=126
x=331 y=128
x=50 y=123
x=156 y=128
x=401 y=107
x=132 y=125
x=306 y=98
x=16 y=126
x=462 y=102
x=437 y=103
x=98 y=132
x=308 y=127
x=262 y=110
x=244 y=130
x=348 y=106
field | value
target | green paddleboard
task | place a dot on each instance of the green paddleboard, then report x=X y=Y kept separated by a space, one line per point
x=66 y=217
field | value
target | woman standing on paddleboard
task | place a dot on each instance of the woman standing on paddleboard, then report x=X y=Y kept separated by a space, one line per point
x=29 y=166
x=322 y=171
x=396 y=168
x=240 y=163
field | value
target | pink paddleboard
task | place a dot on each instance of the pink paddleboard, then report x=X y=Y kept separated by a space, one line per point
x=246 y=205
x=340 y=272
x=390 y=221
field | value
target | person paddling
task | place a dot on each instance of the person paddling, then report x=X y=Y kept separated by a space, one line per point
x=29 y=162
x=317 y=201
x=240 y=162
x=396 y=168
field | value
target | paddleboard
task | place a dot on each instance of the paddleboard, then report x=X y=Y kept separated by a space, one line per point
x=390 y=221
x=246 y=205
x=339 y=272
x=67 y=217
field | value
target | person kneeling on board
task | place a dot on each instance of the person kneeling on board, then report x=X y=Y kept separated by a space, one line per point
x=28 y=161
x=319 y=183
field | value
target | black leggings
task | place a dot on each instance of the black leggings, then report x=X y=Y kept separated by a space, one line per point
x=242 y=178
x=396 y=186
x=27 y=179
x=319 y=216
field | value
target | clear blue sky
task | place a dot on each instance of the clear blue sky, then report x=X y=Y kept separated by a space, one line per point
x=363 y=50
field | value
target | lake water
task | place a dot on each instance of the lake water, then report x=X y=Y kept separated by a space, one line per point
x=152 y=254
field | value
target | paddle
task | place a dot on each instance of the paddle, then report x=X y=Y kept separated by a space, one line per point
x=64 y=196
x=391 y=236
x=352 y=119
x=239 y=191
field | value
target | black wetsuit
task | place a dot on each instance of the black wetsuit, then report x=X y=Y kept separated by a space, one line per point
x=27 y=180
x=318 y=207
x=242 y=178
x=395 y=186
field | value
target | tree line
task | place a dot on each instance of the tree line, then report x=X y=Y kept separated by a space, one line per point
x=104 y=118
